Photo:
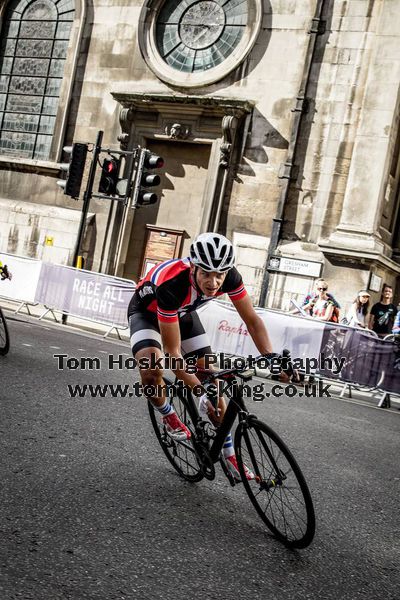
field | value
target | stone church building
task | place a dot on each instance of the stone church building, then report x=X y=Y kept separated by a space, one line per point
x=278 y=121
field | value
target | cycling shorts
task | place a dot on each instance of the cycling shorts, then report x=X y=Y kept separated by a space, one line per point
x=145 y=333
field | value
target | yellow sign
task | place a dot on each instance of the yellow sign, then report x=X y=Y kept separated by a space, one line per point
x=49 y=240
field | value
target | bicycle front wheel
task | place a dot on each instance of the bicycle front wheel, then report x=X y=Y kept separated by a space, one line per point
x=279 y=492
x=181 y=454
x=4 y=335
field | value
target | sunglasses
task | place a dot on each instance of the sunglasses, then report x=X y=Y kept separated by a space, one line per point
x=322 y=289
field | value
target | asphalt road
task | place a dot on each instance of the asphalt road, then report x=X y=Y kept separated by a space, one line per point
x=90 y=507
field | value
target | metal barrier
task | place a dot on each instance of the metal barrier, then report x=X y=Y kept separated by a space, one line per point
x=87 y=295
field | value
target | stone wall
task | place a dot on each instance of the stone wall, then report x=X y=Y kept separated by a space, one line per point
x=344 y=147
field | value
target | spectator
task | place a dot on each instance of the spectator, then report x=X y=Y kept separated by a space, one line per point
x=322 y=306
x=383 y=313
x=311 y=298
x=357 y=315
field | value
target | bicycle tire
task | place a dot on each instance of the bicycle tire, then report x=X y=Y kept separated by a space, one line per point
x=258 y=447
x=181 y=454
x=4 y=335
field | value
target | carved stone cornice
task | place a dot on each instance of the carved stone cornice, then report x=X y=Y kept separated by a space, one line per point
x=217 y=105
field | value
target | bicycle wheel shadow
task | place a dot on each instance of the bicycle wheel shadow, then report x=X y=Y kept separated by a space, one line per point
x=224 y=515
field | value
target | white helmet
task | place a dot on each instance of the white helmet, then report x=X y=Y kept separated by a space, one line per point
x=212 y=252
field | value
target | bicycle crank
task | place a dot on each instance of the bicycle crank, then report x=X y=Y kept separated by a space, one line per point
x=205 y=460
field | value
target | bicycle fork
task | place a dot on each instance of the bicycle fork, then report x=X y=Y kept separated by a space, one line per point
x=274 y=480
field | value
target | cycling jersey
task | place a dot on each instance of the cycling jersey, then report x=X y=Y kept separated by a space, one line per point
x=169 y=291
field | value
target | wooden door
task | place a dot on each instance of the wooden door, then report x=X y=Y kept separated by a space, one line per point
x=160 y=244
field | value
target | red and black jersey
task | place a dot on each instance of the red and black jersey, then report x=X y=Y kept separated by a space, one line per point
x=169 y=290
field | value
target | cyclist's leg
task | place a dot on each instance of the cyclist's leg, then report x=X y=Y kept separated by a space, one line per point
x=146 y=349
x=195 y=342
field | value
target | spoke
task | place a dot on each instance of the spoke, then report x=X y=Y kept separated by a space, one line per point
x=280 y=496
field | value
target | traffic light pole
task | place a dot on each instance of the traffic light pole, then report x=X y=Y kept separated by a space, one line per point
x=87 y=196
x=85 y=208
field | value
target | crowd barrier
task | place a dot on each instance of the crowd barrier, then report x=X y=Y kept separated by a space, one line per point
x=26 y=272
x=75 y=292
x=365 y=360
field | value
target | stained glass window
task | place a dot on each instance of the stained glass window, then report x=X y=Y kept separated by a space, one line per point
x=34 y=41
x=196 y=35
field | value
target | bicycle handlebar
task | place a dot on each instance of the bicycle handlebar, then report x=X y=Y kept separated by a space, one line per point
x=251 y=364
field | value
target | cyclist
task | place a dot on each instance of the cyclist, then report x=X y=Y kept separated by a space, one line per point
x=4 y=272
x=162 y=314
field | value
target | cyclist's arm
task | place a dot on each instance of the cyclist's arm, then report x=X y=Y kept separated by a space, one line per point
x=255 y=325
x=171 y=341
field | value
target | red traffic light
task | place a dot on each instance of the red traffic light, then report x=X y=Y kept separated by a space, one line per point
x=110 y=166
x=109 y=176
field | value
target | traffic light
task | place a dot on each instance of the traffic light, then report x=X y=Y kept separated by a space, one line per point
x=146 y=179
x=74 y=169
x=109 y=176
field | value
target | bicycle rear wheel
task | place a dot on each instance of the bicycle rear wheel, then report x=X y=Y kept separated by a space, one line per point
x=4 y=335
x=279 y=493
x=181 y=454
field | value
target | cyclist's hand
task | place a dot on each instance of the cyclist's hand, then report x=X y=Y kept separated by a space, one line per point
x=272 y=356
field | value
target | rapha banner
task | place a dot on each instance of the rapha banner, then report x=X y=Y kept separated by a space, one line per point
x=363 y=359
x=228 y=332
x=85 y=294
x=25 y=276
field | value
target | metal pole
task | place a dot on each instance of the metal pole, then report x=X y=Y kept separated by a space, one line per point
x=87 y=196
x=86 y=200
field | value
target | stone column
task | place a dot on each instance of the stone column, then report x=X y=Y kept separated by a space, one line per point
x=365 y=190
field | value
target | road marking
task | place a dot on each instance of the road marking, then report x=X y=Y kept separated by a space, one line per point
x=56 y=347
x=29 y=345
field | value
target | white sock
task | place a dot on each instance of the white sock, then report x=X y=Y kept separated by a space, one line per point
x=165 y=409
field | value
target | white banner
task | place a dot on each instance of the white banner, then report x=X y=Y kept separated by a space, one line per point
x=25 y=278
x=228 y=333
x=95 y=296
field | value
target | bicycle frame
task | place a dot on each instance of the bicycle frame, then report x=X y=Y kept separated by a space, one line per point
x=279 y=494
x=235 y=407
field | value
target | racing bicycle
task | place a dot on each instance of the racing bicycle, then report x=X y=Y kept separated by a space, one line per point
x=279 y=492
